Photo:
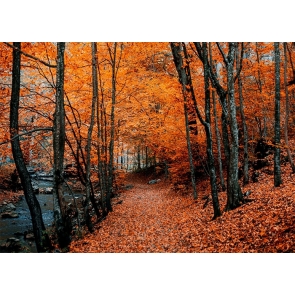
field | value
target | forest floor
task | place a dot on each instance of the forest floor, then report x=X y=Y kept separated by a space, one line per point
x=156 y=218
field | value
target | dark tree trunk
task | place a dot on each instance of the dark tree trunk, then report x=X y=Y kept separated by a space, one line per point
x=207 y=125
x=287 y=109
x=41 y=237
x=217 y=133
x=62 y=221
x=245 y=130
x=100 y=146
x=277 y=155
x=234 y=193
x=115 y=67
x=176 y=51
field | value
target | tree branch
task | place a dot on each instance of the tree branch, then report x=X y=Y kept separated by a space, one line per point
x=28 y=132
x=30 y=56
x=222 y=53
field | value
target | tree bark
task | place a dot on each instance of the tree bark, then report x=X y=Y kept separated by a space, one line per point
x=62 y=221
x=287 y=109
x=217 y=133
x=277 y=155
x=41 y=236
x=207 y=125
x=234 y=193
x=176 y=51
x=245 y=129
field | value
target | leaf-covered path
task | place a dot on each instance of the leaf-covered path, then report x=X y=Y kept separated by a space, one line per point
x=144 y=222
x=155 y=218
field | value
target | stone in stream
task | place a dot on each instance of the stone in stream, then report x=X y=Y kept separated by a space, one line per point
x=29 y=236
x=12 y=245
x=9 y=207
x=48 y=190
x=9 y=214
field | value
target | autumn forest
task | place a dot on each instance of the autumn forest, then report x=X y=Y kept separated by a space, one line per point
x=147 y=146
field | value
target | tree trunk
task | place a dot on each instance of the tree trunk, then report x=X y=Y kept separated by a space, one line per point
x=287 y=109
x=89 y=139
x=217 y=133
x=41 y=236
x=245 y=130
x=113 y=57
x=277 y=155
x=62 y=221
x=176 y=51
x=100 y=146
x=234 y=193
x=207 y=125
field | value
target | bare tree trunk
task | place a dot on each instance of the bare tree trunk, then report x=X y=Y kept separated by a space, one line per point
x=41 y=236
x=188 y=142
x=287 y=109
x=89 y=138
x=115 y=67
x=207 y=125
x=217 y=134
x=245 y=131
x=100 y=146
x=176 y=51
x=62 y=222
x=277 y=155
x=234 y=193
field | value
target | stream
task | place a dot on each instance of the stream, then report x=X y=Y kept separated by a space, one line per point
x=15 y=227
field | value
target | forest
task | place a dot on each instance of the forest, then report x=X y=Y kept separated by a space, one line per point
x=145 y=147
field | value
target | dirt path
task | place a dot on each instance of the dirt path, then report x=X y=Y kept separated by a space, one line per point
x=144 y=222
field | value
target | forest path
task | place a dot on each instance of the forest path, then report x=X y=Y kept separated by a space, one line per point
x=155 y=218
x=151 y=218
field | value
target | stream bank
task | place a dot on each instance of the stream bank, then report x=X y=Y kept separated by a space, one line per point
x=16 y=230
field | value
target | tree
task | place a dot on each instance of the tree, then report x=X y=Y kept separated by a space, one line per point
x=188 y=91
x=62 y=221
x=277 y=155
x=234 y=193
x=41 y=236
x=244 y=124
x=287 y=109
x=179 y=64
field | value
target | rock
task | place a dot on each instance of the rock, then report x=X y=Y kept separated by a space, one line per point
x=154 y=181
x=48 y=190
x=128 y=186
x=4 y=203
x=9 y=214
x=30 y=236
x=12 y=245
x=10 y=207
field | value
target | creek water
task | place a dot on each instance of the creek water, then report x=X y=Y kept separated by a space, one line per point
x=15 y=227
